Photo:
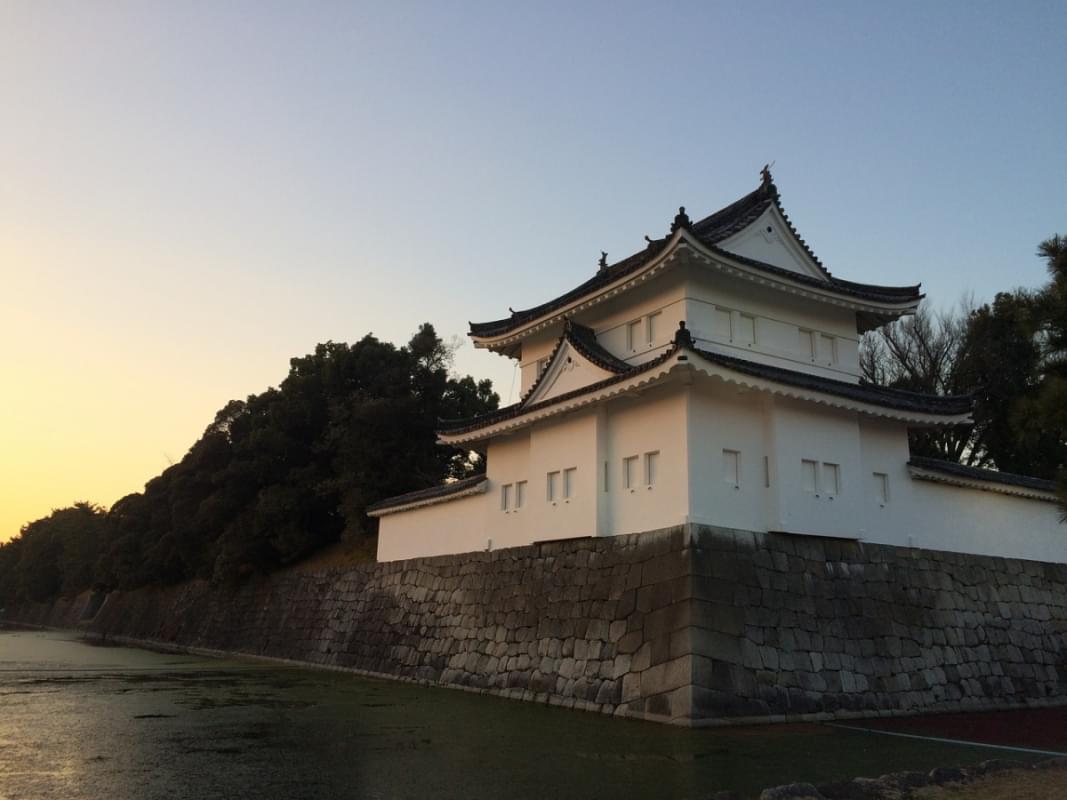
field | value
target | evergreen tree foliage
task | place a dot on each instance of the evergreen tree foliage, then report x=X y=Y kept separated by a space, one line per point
x=1010 y=355
x=272 y=479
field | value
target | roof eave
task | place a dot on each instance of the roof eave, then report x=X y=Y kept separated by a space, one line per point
x=686 y=360
x=936 y=476
x=725 y=261
x=386 y=508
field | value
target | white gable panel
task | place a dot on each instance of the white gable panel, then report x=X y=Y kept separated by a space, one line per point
x=768 y=239
x=568 y=371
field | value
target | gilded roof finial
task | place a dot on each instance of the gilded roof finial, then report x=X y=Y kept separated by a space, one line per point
x=603 y=262
x=681 y=220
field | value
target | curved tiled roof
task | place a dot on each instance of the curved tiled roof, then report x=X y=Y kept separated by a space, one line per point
x=458 y=426
x=710 y=231
x=979 y=474
x=897 y=399
x=433 y=493
x=602 y=278
x=582 y=339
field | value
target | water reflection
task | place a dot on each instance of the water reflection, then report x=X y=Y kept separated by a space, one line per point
x=88 y=722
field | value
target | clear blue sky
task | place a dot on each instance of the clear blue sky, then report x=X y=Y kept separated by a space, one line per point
x=191 y=193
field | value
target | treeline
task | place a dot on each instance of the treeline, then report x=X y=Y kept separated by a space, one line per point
x=1011 y=355
x=272 y=479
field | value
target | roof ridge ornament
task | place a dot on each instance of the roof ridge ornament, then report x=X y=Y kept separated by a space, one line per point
x=681 y=220
x=603 y=262
x=767 y=181
x=683 y=337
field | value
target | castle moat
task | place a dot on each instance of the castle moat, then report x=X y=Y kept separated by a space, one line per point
x=85 y=721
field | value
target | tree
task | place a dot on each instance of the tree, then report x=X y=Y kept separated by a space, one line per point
x=923 y=353
x=1045 y=415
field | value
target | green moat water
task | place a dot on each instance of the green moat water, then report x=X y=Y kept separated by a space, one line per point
x=78 y=721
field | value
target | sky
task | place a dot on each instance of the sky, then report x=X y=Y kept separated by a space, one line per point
x=193 y=193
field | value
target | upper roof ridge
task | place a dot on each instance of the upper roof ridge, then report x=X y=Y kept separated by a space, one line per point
x=709 y=231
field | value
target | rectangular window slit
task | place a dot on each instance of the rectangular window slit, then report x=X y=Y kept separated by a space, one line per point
x=831 y=483
x=552 y=487
x=809 y=475
x=881 y=488
x=651 y=465
x=569 y=482
x=731 y=467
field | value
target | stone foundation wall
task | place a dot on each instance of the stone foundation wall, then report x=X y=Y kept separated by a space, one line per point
x=691 y=625
x=795 y=625
x=552 y=623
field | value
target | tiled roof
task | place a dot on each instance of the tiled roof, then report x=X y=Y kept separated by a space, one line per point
x=896 y=399
x=602 y=278
x=583 y=340
x=862 y=392
x=433 y=493
x=710 y=231
x=979 y=474
x=458 y=426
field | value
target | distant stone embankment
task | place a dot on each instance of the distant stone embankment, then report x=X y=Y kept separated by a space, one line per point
x=692 y=625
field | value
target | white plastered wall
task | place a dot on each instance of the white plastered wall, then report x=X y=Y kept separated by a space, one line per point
x=456 y=526
x=939 y=516
x=830 y=438
x=783 y=326
x=653 y=422
x=727 y=447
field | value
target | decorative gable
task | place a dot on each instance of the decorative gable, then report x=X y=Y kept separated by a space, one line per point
x=577 y=361
x=770 y=239
x=566 y=371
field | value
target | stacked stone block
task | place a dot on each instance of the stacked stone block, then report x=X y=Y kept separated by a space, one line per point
x=788 y=626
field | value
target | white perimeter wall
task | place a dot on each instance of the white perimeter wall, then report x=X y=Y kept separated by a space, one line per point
x=938 y=516
x=458 y=526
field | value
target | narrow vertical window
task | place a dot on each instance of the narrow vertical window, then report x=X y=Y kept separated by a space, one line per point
x=731 y=468
x=505 y=497
x=746 y=329
x=881 y=488
x=808 y=344
x=520 y=494
x=721 y=324
x=633 y=335
x=569 y=482
x=651 y=465
x=607 y=471
x=552 y=487
x=766 y=472
x=652 y=328
x=809 y=475
x=831 y=479
x=629 y=472
x=827 y=349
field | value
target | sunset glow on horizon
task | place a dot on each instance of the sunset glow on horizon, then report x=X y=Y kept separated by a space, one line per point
x=194 y=194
